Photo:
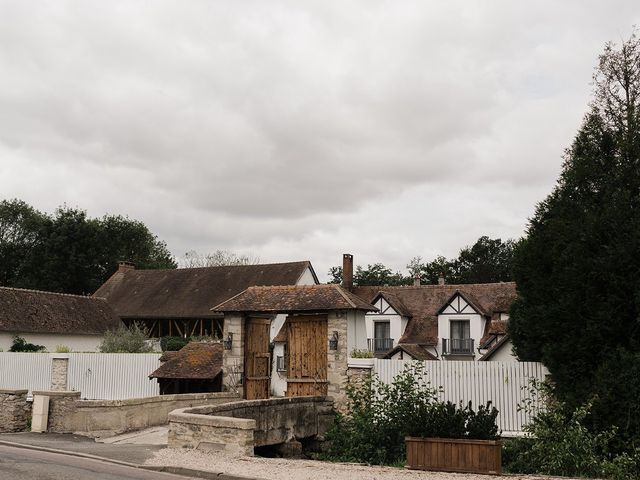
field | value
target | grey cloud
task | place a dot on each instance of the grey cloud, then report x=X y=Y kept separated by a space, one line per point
x=255 y=124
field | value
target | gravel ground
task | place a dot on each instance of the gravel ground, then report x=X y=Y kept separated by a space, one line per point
x=282 y=469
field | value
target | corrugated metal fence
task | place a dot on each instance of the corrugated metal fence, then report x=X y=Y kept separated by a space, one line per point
x=25 y=370
x=113 y=376
x=99 y=376
x=505 y=384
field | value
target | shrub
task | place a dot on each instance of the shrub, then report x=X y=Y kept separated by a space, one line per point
x=126 y=340
x=21 y=345
x=62 y=349
x=559 y=443
x=355 y=353
x=173 y=344
x=381 y=415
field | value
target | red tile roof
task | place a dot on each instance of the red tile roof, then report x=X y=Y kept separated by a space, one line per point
x=301 y=298
x=190 y=292
x=35 y=311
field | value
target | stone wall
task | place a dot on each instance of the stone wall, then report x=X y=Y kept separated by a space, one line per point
x=15 y=411
x=237 y=427
x=69 y=414
x=233 y=360
x=59 y=372
x=337 y=359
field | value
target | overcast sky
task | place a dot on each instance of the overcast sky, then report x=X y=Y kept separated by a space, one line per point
x=299 y=130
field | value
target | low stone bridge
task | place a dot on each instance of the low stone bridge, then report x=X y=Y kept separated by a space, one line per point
x=238 y=427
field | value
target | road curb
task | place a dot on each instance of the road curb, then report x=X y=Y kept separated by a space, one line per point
x=187 y=472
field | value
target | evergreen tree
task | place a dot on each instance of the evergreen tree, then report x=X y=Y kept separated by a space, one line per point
x=578 y=268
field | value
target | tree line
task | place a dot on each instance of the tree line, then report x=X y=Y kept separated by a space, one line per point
x=487 y=260
x=69 y=252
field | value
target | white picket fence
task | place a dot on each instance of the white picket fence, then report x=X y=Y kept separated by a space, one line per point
x=505 y=384
x=98 y=376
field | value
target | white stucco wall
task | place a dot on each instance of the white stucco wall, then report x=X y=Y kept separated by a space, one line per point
x=356 y=331
x=504 y=353
x=278 y=380
x=476 y=327
x=77 y=343
x=307 y=278
x=386 y=313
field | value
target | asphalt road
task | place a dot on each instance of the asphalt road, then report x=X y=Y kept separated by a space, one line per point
x=24 y=464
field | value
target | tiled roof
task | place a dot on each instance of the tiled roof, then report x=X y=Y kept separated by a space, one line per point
x=190 y=292
x=497 y=346
x=418 y=352
x=424 y=301
x=395 y=303
x=35 y=311
x=196 y=360
x=301 y=298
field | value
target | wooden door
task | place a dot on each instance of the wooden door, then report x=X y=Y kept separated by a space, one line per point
x=307 y=342
x=257 y=359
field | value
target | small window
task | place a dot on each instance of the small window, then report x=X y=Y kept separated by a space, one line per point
x=280 y=366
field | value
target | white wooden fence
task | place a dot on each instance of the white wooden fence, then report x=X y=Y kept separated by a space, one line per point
x=505 y=384
x=98 y=376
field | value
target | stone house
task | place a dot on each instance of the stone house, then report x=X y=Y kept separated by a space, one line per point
x=52 y=319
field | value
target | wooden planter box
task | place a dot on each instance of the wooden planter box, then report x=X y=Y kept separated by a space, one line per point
x=454 y=455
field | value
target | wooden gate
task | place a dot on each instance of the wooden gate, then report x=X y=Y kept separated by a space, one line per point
x=307 y=342
x=257 y=360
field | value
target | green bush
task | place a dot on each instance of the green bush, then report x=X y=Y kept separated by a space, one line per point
x=63 y=349
x=126 y=340
x=355 y=353
x=173 y=344
x=19 y=344
x=559 y=443
x=381 y=415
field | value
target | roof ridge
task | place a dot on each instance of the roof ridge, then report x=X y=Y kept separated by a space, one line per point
x=47 y=292
x=289 y=287
x=306 y=262
x=432 y=285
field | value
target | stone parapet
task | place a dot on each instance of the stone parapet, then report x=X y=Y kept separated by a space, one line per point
x=69 y=414
x=235 y=428
x=15 y=411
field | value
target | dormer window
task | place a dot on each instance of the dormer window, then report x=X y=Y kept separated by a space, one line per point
x=459 y=341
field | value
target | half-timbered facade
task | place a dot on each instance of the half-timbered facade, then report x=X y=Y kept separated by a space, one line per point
x=443 y=322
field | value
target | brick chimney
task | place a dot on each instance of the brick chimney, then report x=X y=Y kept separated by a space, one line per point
x=125 y=267
x=441 y=280
x=347 y=271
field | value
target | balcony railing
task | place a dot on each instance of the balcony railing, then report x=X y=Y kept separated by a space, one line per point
x=378 y=345
x=457 y=346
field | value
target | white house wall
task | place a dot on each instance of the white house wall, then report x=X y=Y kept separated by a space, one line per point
x=397 y=323
x=77 y=343
x=307 y=278
x=356 y=331
x=278 y=379
x=476 y=328
x=504 y=353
